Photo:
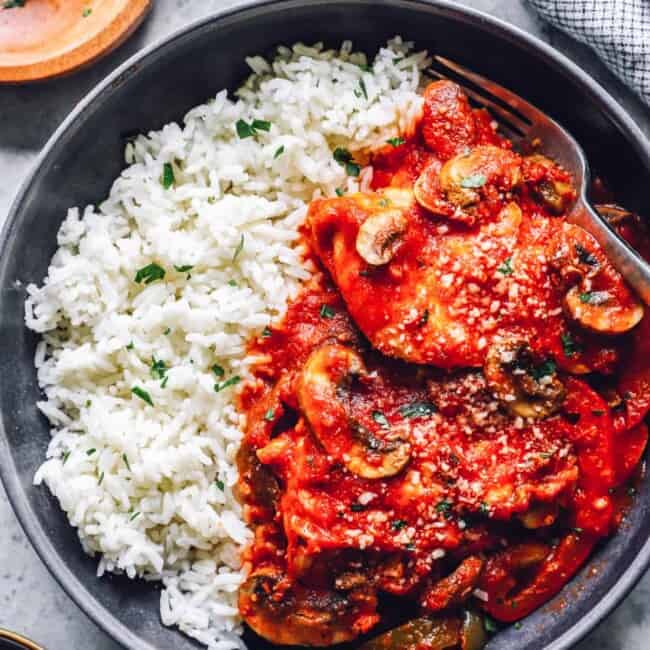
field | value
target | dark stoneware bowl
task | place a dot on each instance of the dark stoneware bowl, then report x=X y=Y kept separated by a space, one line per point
x=159 y=85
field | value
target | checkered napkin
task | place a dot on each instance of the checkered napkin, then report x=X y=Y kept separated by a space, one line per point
x=619 y=31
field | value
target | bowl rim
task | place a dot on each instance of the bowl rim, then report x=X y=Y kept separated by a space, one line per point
x=597 y=95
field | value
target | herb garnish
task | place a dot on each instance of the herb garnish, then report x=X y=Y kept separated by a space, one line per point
x=130 y=346
x=90 y=452
x=380 y=419
x=365 y=67
x=490 y=625
x=357 y=507
x=344 y=158
x=142 y=394
x=362 y=85
x=444 y=507
x=184 y=269
x=239 y=248
x=595 y=297
x=398 y=524
x=150 y=273
x=506 y=267
x=101 y=479
x=246 y=130
x=278 y=152
x=339 y=191
x=13 y=4
x=218 y=370
x=133 y=516
x=269 y=415
x=569 y=346
x=126 y=461
x=229 y=382
x=326 y=312
x=66 y=455
x=266 y=332
x=474 y=181
x=484 y=508
x=424 y=319
x=86 y=12
x=167 y=331
x=395 y=142
x=168 y=178
x=417 y=409
x=158 y=368
x=220 y=484
x=545 y=368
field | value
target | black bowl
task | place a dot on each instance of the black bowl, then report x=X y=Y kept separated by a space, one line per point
x=159 y=85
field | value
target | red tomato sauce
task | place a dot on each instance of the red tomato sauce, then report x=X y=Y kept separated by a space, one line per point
x=389 y=465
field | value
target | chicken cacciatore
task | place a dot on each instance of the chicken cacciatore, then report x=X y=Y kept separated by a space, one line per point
x=451 y=413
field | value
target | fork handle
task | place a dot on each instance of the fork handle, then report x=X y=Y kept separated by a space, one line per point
x=625 y=259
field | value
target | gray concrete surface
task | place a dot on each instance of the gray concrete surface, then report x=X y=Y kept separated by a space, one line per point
x=30 y=600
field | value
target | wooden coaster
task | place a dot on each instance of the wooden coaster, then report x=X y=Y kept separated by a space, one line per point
x=47 y=38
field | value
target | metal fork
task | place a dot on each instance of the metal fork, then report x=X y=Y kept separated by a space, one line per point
x=525 y=125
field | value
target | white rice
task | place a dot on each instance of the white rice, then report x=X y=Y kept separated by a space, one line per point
x=149 y=488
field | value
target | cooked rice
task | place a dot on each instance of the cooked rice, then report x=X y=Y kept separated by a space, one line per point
x=149 y=488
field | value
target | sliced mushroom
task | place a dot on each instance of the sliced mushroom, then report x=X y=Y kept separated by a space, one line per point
x=464 y=175
x=557 y=195
x=525 y=385
x=601 y=311
x=454 y=589
x=380 y=236
x=615 y=214
x=324 y=398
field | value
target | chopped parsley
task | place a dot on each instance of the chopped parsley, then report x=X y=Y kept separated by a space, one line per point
x=585 y=256
x=126 y=461
x=594 y=297
x=101 y=479
x=506 y=267
x=357 y=507
x=134 y=515
x=269 y=415
x=395 y=142
x=13 y=4
x=517 y=625
x=183 y=269
x=473 y=182
x=266 y=332
x=158 y=368
x=417 y=409
x=163 y=383
x=220 y=484
x=86 y=12
x=365 y=67
x=239 y=249
x=569 y=346
x=444 y=508
x=66 y=455
x=484 y=508
x=168 y=178
x=278 y=152
x=631 y=491
x=424 y=319
x=577 y=531
x=544 y=369
x=142 y=394
x=344 y=158
x=339 y=191
x=490 y=625
x=229 y=382
x=362 y=85
x=232 y=283
x=326 y=312
x=90 y=452
x=218 y=370
x=246 y=130
x=398 y=524
x=150 y=273
x=130 y=346
x=167 y=331
x=380 y=419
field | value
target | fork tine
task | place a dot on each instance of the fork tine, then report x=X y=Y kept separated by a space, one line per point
x=517 y=103
x=510 y=120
